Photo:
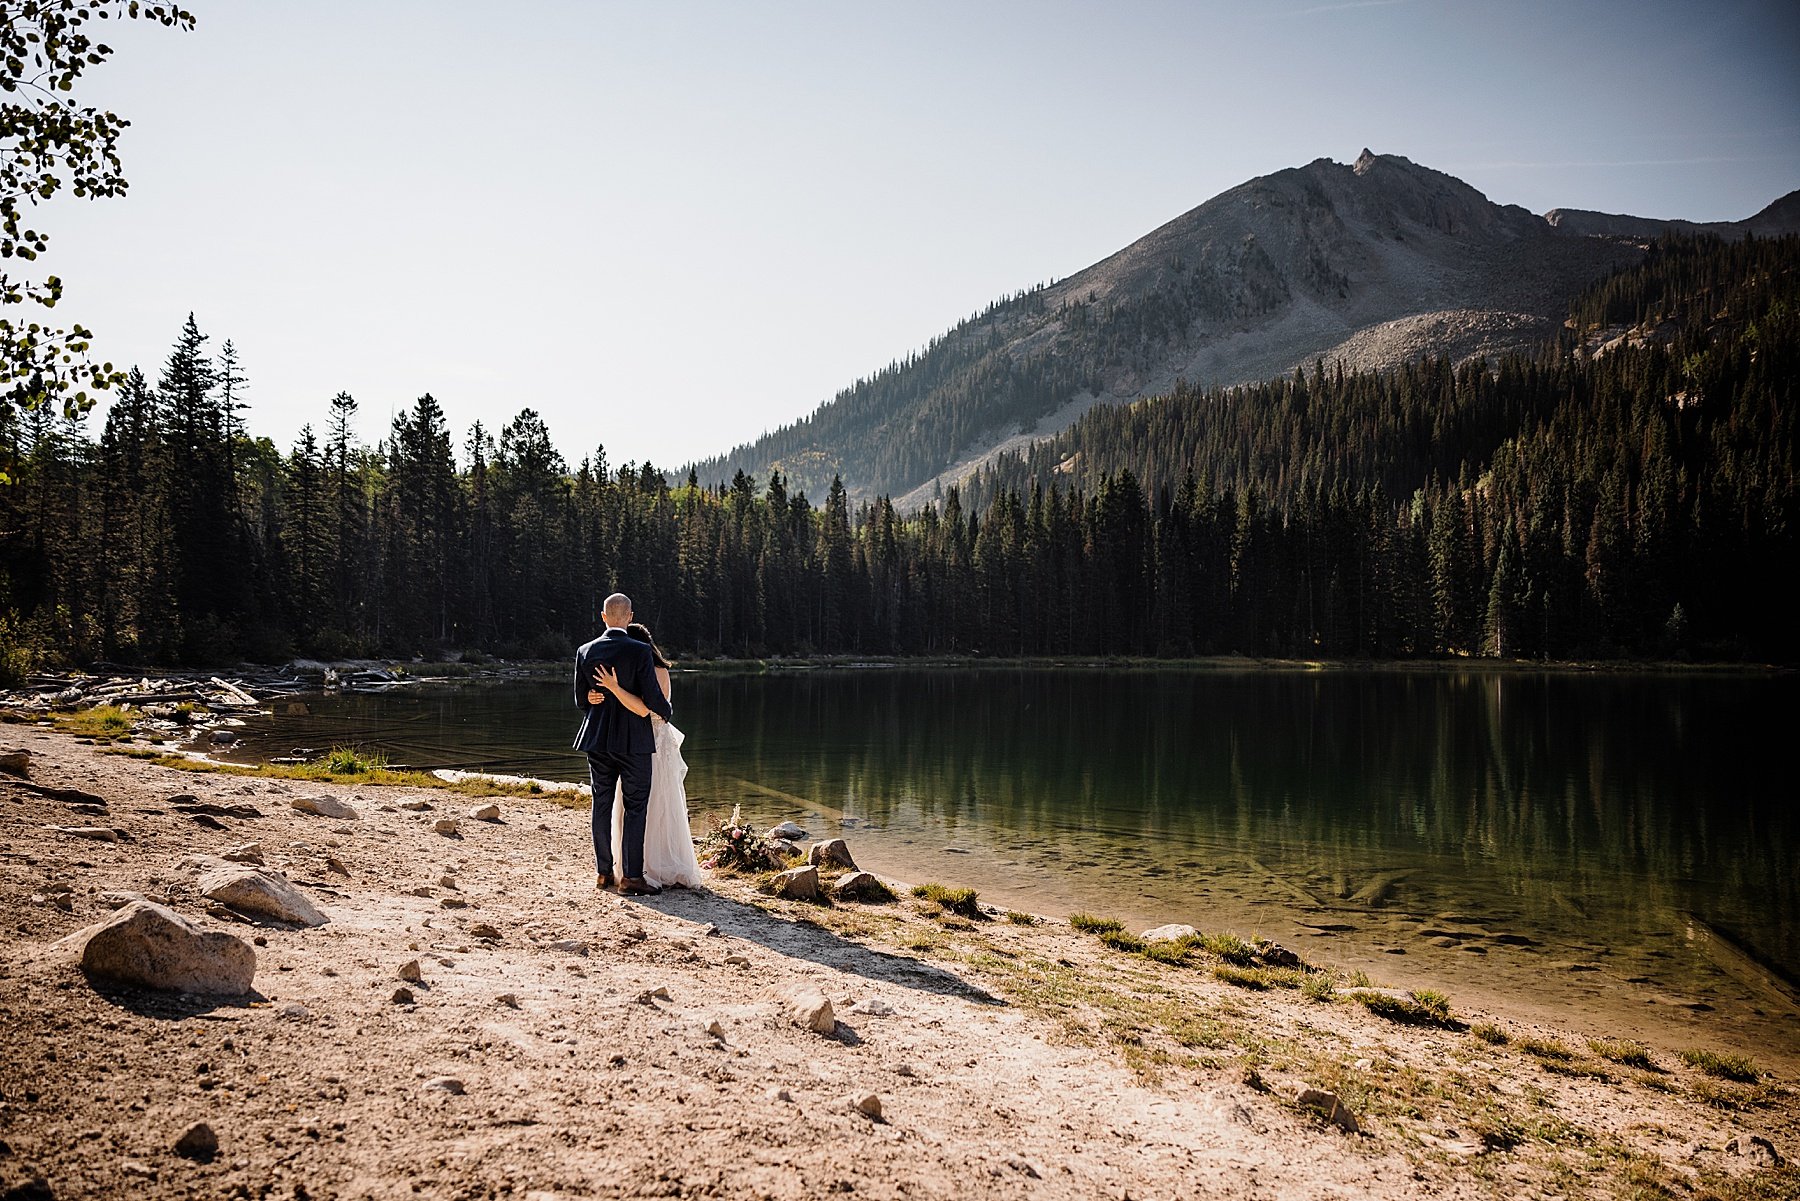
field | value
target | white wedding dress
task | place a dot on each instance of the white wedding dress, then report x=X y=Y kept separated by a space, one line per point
x=669 y=859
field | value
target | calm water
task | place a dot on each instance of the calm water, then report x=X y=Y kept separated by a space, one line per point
x=1598 y=840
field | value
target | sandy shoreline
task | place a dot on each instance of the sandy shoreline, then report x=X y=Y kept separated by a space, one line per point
x=1007 y=1060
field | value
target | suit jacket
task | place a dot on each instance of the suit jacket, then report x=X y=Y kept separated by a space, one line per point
x=610 y=727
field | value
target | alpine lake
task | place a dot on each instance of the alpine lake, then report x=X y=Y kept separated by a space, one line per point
x=1615 y=852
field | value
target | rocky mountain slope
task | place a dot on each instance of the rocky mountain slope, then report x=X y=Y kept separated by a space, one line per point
x=1371 y=263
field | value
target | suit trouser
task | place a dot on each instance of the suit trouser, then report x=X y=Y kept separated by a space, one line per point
x=606 y=769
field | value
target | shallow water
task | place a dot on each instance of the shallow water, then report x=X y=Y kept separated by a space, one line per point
x=1600 y=845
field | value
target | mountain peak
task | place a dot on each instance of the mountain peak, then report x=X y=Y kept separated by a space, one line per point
x=1364 y=161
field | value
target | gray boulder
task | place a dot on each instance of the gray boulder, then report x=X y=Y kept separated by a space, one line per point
x=798 y=884
x=15 y=761
x=489 y=812
x=152 y=946
x=787 y=830
x=325 y=806
x=833 y=852
x=261 y=894
x=859 y=886
x=1169 y=933
x=810 y=1010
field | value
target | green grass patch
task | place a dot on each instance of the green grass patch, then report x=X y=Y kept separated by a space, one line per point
x=1547 y=1048
x=1726 y=1067
x=1318 y=987
x=1487 y=1032
x=1020 y=919
x=1172 y=952
x=1425 y=1007
x=1119 y=940
x=1623 y=1051
x=1240 y=976
x=105 y=722
x=1230 y=948
x=1087 y=923
x=352 y=761
x=319 y=774
x=961 y=901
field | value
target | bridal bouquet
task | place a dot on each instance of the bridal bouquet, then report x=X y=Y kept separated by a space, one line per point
x=736 y=846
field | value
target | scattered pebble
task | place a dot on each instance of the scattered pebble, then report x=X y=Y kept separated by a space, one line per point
x=197 y=1142
x=410 y=971
x=402 y=996
x=448 y=1084
x=485 y=813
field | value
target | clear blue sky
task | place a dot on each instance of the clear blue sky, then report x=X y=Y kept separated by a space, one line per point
x=670 y=226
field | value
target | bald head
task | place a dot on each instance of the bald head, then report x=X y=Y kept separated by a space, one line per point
x=616 y=612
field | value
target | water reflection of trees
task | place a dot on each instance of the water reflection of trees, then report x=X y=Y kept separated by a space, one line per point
x=1641 y=796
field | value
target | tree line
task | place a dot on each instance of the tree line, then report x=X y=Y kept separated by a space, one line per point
x=1633 y=502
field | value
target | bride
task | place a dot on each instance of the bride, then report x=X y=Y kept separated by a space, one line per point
x=669 y=860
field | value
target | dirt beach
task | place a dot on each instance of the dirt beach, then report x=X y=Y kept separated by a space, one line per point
x=562 y=1043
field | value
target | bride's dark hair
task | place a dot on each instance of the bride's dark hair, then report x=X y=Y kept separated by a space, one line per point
x=641 y=632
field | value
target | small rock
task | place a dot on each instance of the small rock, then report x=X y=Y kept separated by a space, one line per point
x=508 y=999
x=206 y=821
x=15 y=761
x=150 y=945
x=787 y=830
x=224 y=737
x=779 y=1094
x=855 y=886
x=448 y=1084
x=134 y=1167
x=485 y=813
x=197 y=1142
x=1330 y=1108
x=798 y=884
x=868 y=1104
x=810 y=1010
x=633 y=933
x=118 y=900
x=874 y=1007
x=659 y=993
x=714 y=1029
x=411 y=972
x=738 y=960
x=294 y=1011
x=324 y=807
x=571 y=946
x=416 y=806
x=334 y=864
x=91 y=833
x=446 y=881
x=484 y=932
x=833 y=852
x=1169 y=933
x=250 y=852
x=261 y=893
x=1023 y=1166
x=446 y=826
x=453 y=903
x=1276 y=955
x=402 y=996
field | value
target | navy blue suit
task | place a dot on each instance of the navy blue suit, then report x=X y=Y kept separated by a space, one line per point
x=618 y=743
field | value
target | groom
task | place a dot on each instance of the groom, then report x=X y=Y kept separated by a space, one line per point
x=619 y=743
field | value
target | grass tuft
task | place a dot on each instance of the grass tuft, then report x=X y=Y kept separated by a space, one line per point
x=352 y=761
x=1242 y=977
x=1318 y=987
x=951 y=900
x=1119 y=940
x=1087 y=923
x=1020 y=919
x=1425 y=1007
x=1623 y=1051
x=316 y=772
x=1487 y=1032
x=1547 y=1048
x=1726 y=1067
x=1230 y=948
x=102 y=721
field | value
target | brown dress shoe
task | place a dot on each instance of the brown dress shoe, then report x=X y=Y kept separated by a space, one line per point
x=637 y=886
x=605 y=882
